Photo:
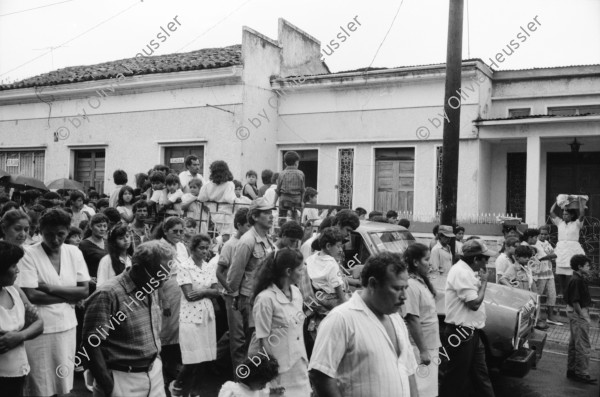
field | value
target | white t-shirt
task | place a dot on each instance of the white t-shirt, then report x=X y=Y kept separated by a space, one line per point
x=36 y=267
x=185 y=177
x=503 y=263
x=127 y=210
x=324 y=272
x=306 y=249
x=106 y=271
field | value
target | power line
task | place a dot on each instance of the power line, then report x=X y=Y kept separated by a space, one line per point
x=70 y=40
x=385 y=37
x=35 y=8
x=215 y=25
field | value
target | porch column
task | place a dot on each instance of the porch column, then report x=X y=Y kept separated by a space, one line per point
x=532 y=201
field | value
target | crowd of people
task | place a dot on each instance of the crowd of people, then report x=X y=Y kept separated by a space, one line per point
x=150 y=289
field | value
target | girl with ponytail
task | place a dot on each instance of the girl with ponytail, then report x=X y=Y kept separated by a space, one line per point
x=279 y=319
x=421 y=317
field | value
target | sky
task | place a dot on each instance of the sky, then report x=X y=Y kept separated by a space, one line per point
x=38 y=36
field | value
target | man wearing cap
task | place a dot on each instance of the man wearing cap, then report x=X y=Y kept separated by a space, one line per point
x=465 y=317
x=252 y=248
x=441 y=254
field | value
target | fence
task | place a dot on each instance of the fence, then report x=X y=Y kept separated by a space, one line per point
x=484 y=218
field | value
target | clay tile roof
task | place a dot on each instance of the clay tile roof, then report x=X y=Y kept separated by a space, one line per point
x=207 y=58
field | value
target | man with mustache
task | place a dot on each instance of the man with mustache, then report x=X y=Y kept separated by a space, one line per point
x=362 y=346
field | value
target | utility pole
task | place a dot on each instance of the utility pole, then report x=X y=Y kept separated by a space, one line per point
x=452 y=108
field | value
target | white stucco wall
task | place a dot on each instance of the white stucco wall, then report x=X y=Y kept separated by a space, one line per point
x=130 y=124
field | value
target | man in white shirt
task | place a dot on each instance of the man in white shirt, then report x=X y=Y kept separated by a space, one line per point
x=362 y=346
x=465 y=317
x=192 y=163
x=441 y=253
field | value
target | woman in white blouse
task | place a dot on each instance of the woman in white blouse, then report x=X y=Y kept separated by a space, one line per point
x=220 y=189
x=278 y=318
x=197 y=327
x=18 y=322
x=119 y=254
x=54 y=277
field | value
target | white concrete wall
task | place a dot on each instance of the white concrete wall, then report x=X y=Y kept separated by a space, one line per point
x=335 y=112
x=128 y=124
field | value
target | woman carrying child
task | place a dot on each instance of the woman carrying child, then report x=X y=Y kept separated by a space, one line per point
x=279 y=320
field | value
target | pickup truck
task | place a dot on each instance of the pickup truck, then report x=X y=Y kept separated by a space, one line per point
x=509 y=335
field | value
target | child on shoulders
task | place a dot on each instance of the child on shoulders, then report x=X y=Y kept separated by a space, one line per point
x=324 y=270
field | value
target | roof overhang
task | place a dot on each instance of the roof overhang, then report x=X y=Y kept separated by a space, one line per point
x=230 y=75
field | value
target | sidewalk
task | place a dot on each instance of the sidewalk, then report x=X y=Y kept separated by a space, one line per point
x=558 y=337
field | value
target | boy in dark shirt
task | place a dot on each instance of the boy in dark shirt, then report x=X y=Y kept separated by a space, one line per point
x=578 y=302
x=290 y=187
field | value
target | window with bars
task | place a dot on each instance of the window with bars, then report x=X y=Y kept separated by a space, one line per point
x=27 y=163
x=438 y=186
x=345 y=175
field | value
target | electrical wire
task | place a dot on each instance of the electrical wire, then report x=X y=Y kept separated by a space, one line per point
x=35 y=8
x=385 y=37
x=70 y=40
x=215 y=25
x=468 y=33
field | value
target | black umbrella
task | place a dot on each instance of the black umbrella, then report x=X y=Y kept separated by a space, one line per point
x=26 y=182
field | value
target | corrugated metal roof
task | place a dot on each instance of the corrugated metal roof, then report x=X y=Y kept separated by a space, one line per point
x=207 y=58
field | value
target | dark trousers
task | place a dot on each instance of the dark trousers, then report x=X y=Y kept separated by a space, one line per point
x=563 y=281
x=12 y=386
x=466 y=361
x=580 y=349
x=284 y=207
x=171 y=360
x=241 y=328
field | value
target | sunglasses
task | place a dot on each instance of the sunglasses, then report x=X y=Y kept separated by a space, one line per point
x=177 y=231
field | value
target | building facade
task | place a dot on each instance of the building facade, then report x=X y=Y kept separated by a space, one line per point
x=369 y=138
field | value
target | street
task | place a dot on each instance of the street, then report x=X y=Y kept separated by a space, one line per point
x=548 y=380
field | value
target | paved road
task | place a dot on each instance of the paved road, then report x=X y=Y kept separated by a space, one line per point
x=548 y=380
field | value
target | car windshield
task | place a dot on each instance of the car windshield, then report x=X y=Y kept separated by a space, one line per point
x=396 y=241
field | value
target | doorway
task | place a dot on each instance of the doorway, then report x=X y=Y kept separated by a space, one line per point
x=175 y=157
x=309 y=164
x=394 y=179
x=89 y=168
x=574 y=173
